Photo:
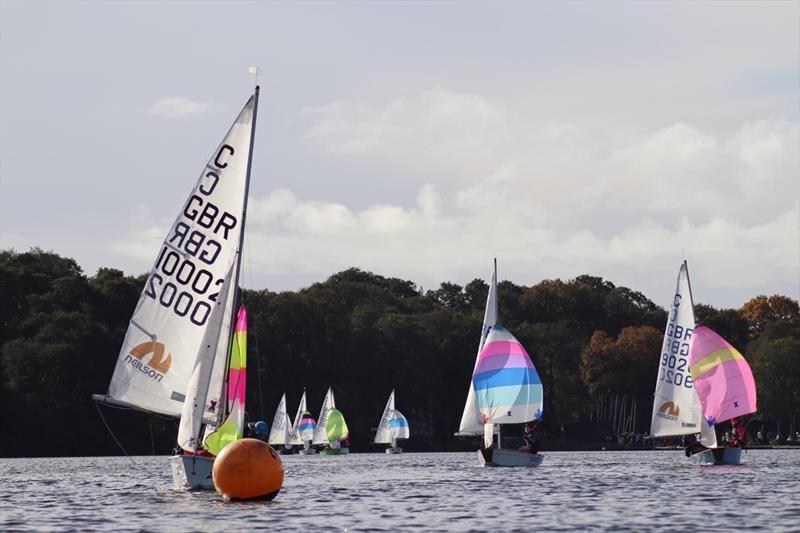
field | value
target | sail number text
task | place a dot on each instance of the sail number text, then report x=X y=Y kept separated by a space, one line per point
x=182 y=279
x=675 y=352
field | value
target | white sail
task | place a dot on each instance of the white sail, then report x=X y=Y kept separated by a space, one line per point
x=280 y=424
x=384 y=434
x=166 y=331
x=471 y=421
x=321 y=431
x=295 y=432
x=197 y=392
x=676 y=407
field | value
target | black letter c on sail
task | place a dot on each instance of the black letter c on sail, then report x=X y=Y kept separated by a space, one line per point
x=223 y=148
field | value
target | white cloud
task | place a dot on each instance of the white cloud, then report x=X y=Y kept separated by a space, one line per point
x=178 y=107
x=555 y=199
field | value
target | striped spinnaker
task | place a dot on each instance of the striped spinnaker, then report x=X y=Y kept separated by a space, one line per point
x=507 y=387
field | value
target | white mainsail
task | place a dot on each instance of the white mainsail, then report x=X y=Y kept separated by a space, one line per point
x=471 y=422
x=169 y=323
x=384 y=434
x=295 y=433
x=280 y=431
x=197 y=392
x=321 y=431
x=676 y=407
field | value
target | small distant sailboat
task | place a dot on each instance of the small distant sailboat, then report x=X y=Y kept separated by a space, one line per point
x=305 y=430
x=294 y=432
x=281 y=432
x=337 y=432
x=392 y=426
x=726 y=388
x=184 y=353
x=505 y=389
x=321 y=433
x=679 y=405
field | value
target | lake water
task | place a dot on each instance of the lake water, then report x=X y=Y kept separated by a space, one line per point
x=635 y=491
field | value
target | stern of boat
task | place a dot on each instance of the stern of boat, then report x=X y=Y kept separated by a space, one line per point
x=191 y=472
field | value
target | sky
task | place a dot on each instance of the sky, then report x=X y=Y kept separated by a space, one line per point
x=418 y=139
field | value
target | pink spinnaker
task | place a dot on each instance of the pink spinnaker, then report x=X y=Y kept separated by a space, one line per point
x=722 y=378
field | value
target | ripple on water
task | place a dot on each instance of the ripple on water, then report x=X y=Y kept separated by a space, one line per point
x=592 y=491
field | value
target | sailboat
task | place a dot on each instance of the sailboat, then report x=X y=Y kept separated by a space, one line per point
x=281 y=432
x=183 y=354
x=505 y=389
x=321 y=433
x=692 y=381
x=294 y=432
x=392 y=426
x=305 y=430
x=337 y=431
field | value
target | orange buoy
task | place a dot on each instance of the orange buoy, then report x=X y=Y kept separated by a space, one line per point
x=247 y=469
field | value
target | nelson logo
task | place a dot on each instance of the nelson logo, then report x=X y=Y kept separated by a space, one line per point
x=156 y=366
x=669 y=410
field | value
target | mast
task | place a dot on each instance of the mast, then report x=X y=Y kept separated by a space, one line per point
x=689 y=283
x=235 y=299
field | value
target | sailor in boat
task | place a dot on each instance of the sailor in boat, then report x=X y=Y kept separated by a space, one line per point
x=531 y=441
x=739 y=435
x=260 y=430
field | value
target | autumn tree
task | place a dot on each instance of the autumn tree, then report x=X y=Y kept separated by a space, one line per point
x=759 y=311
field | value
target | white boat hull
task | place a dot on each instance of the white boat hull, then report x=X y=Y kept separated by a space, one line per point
x=493 y=457
x=191 y=472
x=729 y=455
x=396 y=449
x=308 y=451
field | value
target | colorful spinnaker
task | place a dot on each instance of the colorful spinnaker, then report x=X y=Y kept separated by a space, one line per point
x=233 y=426
x=306 y=427
x=507 y=387
x=336 y=428
x=392 y=425
x=722 y=378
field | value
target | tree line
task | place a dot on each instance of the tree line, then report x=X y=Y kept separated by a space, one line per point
x=594 y=344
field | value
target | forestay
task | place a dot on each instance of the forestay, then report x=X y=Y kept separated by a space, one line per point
x=166 y=331
x=676 y=408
